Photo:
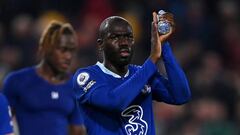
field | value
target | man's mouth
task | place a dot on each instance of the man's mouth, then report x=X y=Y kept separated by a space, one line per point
x=65 y=65
x=124 y=52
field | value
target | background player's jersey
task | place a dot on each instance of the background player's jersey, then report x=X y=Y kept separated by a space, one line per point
x=5 y=116
x=41 y=108
x=123 y=105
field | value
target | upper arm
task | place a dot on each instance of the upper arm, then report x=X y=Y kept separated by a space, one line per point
x=85 y=82
x=91 y=89
x=77 y=130
x=76 y=117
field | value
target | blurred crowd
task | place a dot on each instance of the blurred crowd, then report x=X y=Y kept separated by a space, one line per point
x=206 y=43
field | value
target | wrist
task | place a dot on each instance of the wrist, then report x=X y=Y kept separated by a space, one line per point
x=153 y=58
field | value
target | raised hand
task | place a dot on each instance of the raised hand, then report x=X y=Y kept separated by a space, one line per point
x=156 y=38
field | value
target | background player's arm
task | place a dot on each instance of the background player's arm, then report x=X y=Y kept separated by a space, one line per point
x=77 y=130
x=5 y=116
x=76 y=126
x=102 y=95
x=174 y=89
x=10 y=91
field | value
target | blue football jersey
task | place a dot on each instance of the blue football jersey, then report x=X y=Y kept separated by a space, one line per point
x=112 y=104
x=5 y=116
x=41 y=108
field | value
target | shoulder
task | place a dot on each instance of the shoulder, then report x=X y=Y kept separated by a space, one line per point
x=87 y=79
x=83 y=75
x=21 y=73
x=87 y=72
x=91 y=69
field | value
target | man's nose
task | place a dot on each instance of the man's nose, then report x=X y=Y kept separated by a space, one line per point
x=68 y=55
x=123 y=41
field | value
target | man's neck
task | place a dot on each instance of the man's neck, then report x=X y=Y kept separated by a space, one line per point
x=118 y=69
x=51 y=75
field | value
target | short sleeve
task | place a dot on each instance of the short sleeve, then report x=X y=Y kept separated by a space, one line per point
x=10 y=91
x=76 y=117
x=84 y=83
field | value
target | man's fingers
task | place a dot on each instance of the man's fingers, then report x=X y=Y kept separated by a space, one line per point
x=164 y=37
x=154 y=31
x=170 y=32
x=154 y=24
x=155 y=20
x=170 y=18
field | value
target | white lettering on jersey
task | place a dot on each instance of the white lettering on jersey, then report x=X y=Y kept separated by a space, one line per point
x=82 y=78
x=89 y=85
x=136 y=125
x=54 y=95
x=147 y=89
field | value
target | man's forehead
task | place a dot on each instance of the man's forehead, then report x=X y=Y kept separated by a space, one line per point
x=119 y=28
x=114 y=24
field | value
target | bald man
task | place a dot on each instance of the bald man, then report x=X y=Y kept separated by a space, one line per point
x=115 y=96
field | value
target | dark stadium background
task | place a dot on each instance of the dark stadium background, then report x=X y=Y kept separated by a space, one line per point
x=206 y=44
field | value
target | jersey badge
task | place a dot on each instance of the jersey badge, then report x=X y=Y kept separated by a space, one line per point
x=82 y=78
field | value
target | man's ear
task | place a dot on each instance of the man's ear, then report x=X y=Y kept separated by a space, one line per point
x=99 y=43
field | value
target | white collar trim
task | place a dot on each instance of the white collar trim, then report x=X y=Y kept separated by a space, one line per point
x=107 y=71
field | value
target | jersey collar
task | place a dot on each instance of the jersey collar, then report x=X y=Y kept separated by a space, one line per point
x=107 y=71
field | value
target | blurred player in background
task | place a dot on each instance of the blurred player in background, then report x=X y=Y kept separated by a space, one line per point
x=6 y=127
x=116 y=96
x=41 y=96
